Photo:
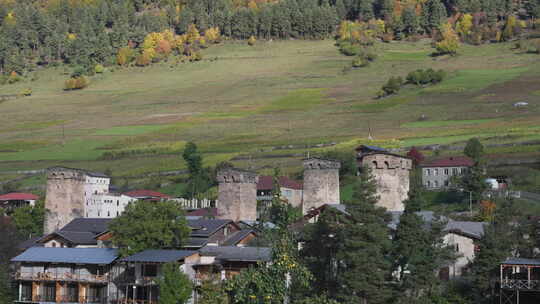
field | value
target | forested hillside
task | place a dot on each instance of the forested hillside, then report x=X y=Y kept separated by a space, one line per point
x=89 y=32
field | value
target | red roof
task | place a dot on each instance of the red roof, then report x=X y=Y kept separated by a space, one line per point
x=18 y=196
x=146 y=194
x=267 y=183
x=203 y=212
x=454 y=161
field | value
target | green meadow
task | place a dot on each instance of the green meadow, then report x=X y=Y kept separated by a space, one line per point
x=268 y=105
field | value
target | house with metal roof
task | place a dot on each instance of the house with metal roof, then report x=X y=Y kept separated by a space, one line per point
x=14 y=200
x=291 y=190
x=519 y=280
x=438 y=173
x=76 y=275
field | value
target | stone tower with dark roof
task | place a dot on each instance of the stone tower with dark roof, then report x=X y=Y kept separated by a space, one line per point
x=321 y=183
x=237 y=195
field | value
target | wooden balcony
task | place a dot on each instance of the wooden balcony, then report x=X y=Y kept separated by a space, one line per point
x=63 y=277
x=520 y=284
x=133 y=301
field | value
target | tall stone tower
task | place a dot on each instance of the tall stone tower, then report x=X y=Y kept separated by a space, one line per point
x=68 y=193
x=391 y=172
x=321 y=183
x=237 y=195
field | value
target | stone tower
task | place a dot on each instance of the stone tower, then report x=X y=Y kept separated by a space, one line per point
x=321 y=183
x=391 y=172
x=237 y=195
x=68 y=192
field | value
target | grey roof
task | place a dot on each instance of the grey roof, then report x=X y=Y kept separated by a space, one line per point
x=159 y=256
x=93 y=225
x=75 y=237
x=255 y=224
x=32 y=242
x=470 y=229
x=196 y=242
x=68 y=255
x=521 y=261
x=89 y=173
x=233 y=253
x=374 y=148
x=237 y=236
x=206 y=227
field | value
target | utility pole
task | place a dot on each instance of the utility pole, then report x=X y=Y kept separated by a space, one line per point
x=470 y=202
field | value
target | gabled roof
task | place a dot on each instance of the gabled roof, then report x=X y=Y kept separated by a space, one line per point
x=93 y=225
x=206 y=227
x=146 y=194
x=453 y=161
x=18 y=196
x=237 y=237
x=159 y=256
x=32 y=242
x=267 y=183
x=74 y=237
x=68 y=255
x=239 y=254
x=196 y=242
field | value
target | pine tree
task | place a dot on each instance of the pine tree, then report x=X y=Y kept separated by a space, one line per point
x=434 y=14
x=363 y=267
x=175 y=287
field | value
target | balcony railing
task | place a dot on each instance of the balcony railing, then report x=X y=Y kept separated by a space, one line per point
x=66 y=276
x=134 y=301
x=64 y=299
x=520 y=284
x=130 y=279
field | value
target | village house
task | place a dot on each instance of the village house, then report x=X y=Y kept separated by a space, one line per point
x=437 y=174
x=64 y=275
x=11 y=201
x=290 y=190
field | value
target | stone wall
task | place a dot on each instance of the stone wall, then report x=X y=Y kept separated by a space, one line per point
x=321 y=183
x=391 y=172
x=464 y=247
x=237 y=195
x=64 y=200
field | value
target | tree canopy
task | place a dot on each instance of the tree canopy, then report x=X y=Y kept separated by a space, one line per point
x=144 y=225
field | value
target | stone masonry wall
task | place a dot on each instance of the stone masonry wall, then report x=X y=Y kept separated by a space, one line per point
x=391 y=173
x=237 y=195
x=321 y=183
x=64 y=200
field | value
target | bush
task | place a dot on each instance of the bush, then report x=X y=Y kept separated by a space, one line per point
x=78 y=72
x=349 y=49
x=77 y=83
x=360 y=62
x=99 y=69
x=26 y=92
x=391 y=87
x=252 y=40
x=13 y=78
x=449 y=43
x=143 y=60
x=423 y=77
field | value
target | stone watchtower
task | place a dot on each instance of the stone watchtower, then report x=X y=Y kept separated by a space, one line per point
x=237 y=195
x=65 y=199
x=391 y=172
x=321 y=183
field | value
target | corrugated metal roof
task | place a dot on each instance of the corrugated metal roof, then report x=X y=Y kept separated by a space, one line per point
x=94 y=225
x=233 y=253
x=196 y=242
x=521 y=261
x=75 y=237
x=237 y=237
x=18 y=196
x=206 y=227
x=68 y=255
x=159 y=256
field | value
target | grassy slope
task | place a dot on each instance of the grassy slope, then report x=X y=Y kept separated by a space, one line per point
x=246 y=100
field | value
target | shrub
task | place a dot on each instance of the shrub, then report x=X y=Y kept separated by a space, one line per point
x=348 y=49
x=77 y=83
x=252 y=40
x=78 y=71
x=359 y=62
x=143 y=59
x=26 y=92
x=197 y=56
x=392 y=86
x=124 y=56
x=450 y=41
x=99 y=69
x=423 y=77
x=13 y=78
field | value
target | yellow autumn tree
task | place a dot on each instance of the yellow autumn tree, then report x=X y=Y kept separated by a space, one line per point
x=464 y=25
x=192 y=34
x=510 y=28
x=212 y=35
x=449 y=43
x=124 y=56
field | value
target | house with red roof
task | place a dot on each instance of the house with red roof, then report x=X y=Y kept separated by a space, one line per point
x=291 y=190
x=13 y=200
x=438 y=173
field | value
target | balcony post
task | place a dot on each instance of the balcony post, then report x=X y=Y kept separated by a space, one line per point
x=20 y=291
x=502 y=269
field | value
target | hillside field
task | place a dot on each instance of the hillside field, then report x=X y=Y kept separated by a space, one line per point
x=262 y=106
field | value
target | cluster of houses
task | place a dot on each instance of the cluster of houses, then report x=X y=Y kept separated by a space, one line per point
x=76 y=262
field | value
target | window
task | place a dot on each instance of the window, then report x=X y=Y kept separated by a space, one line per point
x=436 y=172
x=98 y=214
x=108 y=213
x=117 y=213
x=436 y=184
x=446 y=172
x=428 y=184
x=428 y=172
x=117 y=202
